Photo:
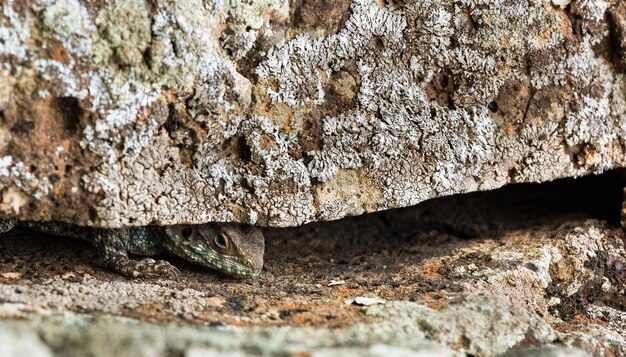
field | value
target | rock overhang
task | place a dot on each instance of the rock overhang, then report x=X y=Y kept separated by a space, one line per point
x=138 y=112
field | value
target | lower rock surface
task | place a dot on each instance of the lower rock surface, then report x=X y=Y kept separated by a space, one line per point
x=537 y=271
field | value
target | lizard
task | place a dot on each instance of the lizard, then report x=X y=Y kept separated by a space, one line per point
x=235 y=249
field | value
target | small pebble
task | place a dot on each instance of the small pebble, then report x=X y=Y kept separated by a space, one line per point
x=68 y=275
x=284 y=313
x=562 y=3
x=365 y=301
x=336 y=282
x=11 y=275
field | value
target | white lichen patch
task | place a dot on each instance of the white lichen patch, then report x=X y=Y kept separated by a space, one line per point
x=5 y=164
x=192 y=111
x=14 y=32
x=125 y=26
x=247 y=20
x=23 y=184
x=66 y=18
x=593 y=10
x=307 y=59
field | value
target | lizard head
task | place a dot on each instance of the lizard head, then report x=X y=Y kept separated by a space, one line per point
x=235 y=249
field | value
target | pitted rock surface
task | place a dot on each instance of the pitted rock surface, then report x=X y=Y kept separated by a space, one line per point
x=279 y=113
x=538 y=272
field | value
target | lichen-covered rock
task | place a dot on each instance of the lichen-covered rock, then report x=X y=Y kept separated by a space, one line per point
x=284 y=112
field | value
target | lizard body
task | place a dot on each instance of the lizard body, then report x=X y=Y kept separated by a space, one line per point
x=232 y=248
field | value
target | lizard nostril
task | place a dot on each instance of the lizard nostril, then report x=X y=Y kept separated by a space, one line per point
x=187 y=232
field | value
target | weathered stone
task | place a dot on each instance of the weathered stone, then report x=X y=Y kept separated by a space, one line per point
x=484 y=274
x=20 y=341
x=284 y=112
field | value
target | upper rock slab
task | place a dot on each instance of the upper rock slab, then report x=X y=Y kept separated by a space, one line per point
x=284 y=112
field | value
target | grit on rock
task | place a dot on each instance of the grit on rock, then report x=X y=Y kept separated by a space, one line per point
x=527 y=270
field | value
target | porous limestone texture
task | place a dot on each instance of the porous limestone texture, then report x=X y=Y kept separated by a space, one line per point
x=279 y=113
x=484 y=274
x=80 y=335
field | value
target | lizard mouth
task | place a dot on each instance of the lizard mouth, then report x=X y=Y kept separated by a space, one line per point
x=235 y=266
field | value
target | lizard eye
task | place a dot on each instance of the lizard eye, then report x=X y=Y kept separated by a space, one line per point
x=221 y=241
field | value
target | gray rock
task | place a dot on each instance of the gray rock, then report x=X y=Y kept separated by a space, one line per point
x=280 y=113
x=550 y=351
x=542 y=290
x=19 y=341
